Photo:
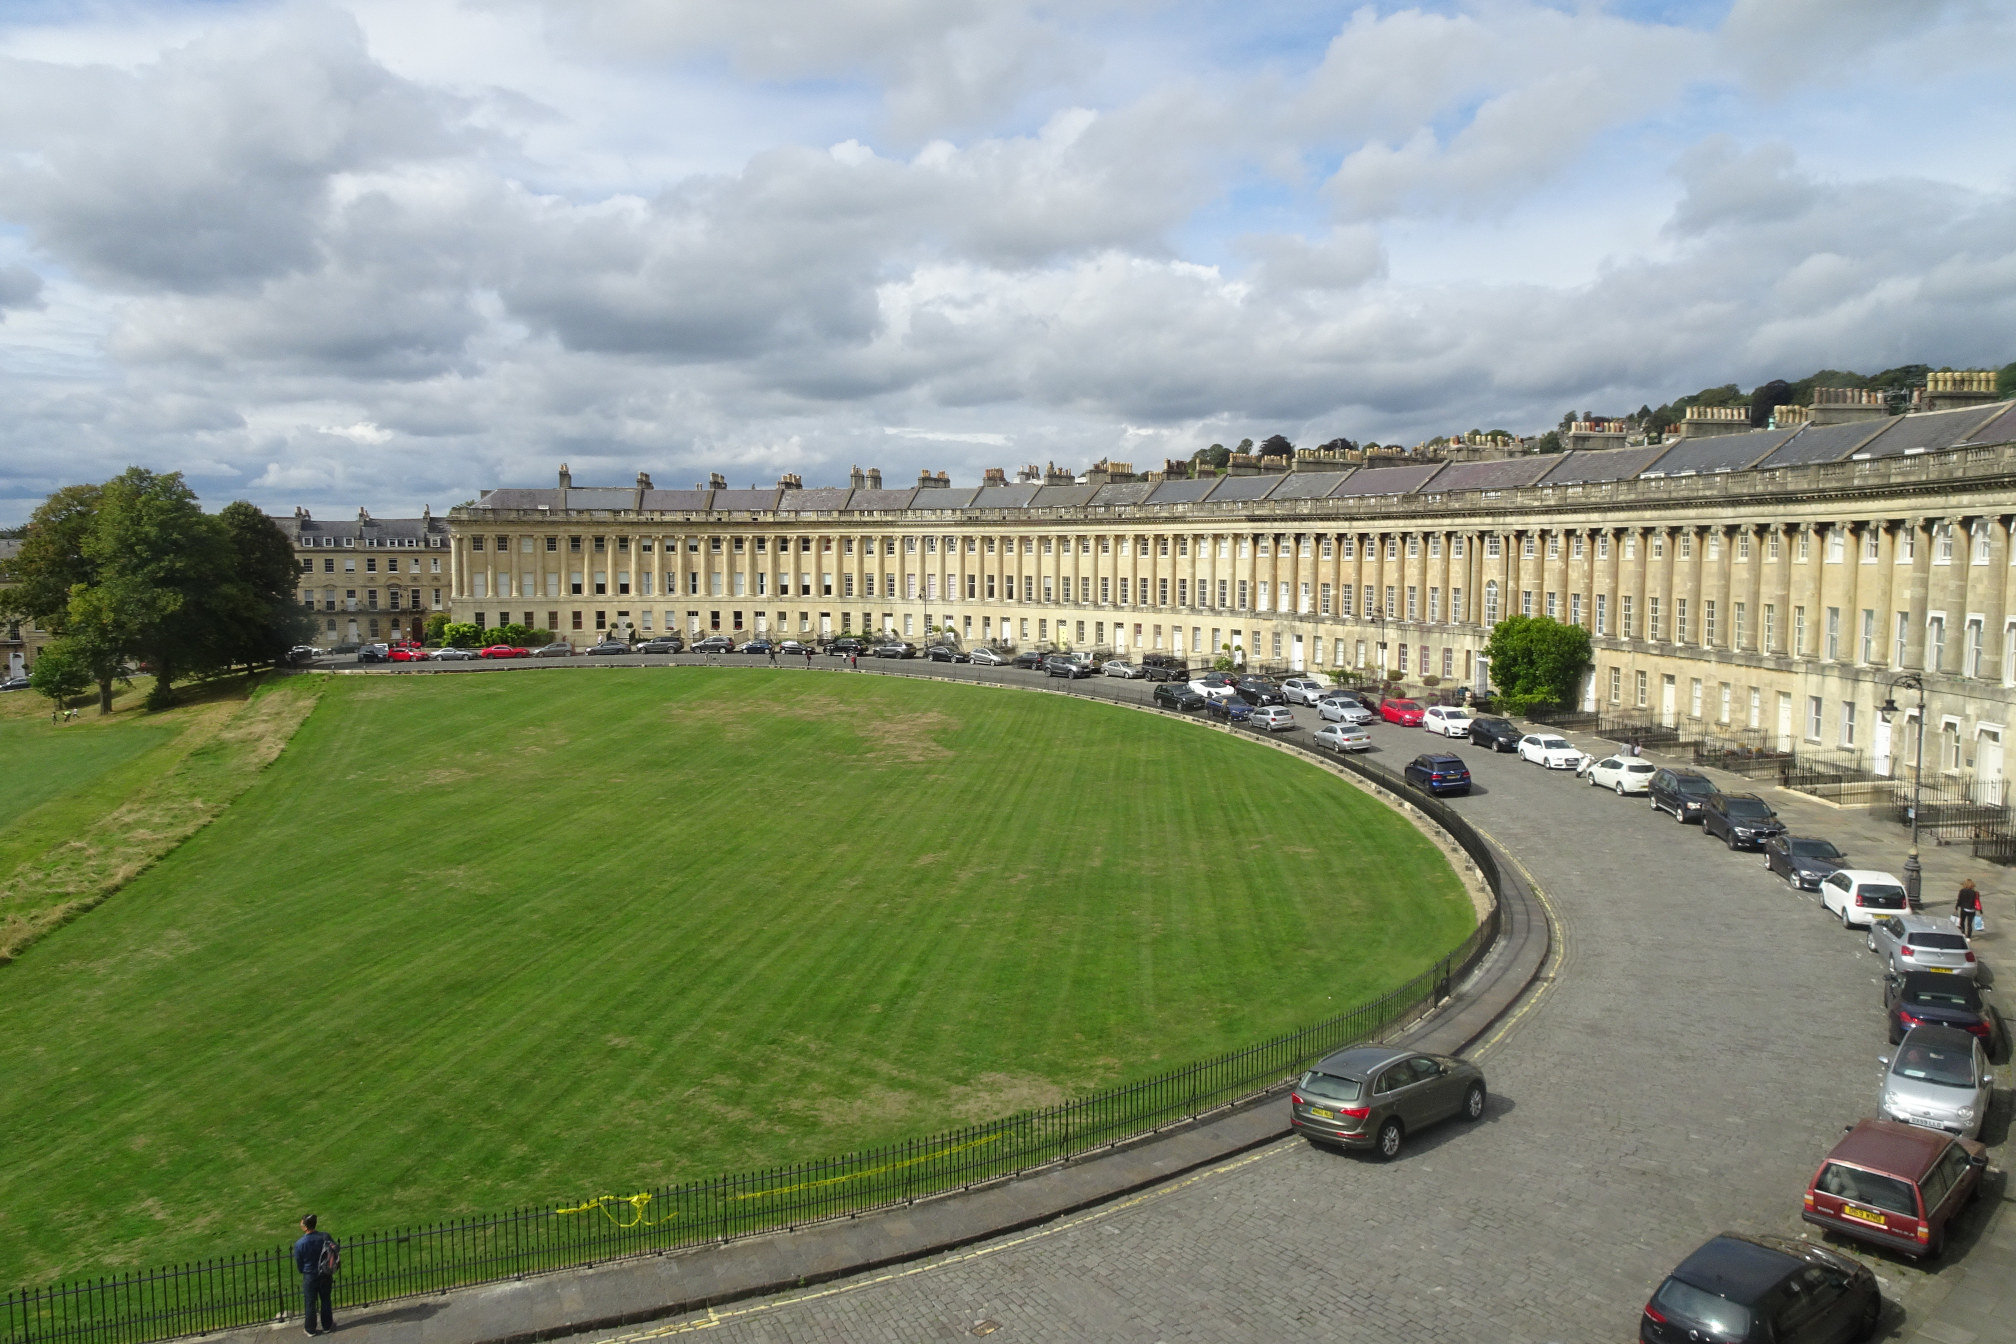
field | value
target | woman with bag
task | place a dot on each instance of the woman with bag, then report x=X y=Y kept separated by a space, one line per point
x=1967 y=908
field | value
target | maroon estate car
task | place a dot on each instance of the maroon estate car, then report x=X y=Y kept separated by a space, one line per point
x=1895 y=1185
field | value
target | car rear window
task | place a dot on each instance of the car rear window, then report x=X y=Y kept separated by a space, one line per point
x=1870 y=1188
x=1880 y=897
x=1938 y=997
x=1931 y=1064
x=1330 y=1087
x=1702 y=1309
x=1938 y=942
x=1638 y=768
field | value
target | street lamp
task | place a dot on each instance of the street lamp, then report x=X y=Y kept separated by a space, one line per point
x=1910 y=681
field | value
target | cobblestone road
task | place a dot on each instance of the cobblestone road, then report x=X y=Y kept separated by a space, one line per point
x=1705 y=1035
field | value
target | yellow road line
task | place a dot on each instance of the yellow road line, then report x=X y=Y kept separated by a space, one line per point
x=714 y=1319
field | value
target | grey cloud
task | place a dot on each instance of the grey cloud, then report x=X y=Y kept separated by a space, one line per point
x=19 y=288
x=1728 y=186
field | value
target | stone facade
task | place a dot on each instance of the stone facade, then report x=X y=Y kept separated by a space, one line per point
x=372 y=579
x=1770 y=583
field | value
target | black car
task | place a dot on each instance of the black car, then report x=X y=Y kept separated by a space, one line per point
x=1176 y=695
x=1743 y=820
x=1057 y=665
x=1439 y=773
x=1937 y=999
x=375 y=653
x=794 y=648
x=15 y=684
x=945 y=653
x=1682 y=792
x=1497 y=734
x=715 y=644
x=894 y=648
x=1031 y=659
x=1801 y=860
x=662 y=644
x=609 y=646
x=752 y=646
x=1762 y=1289
x=1164 y=667
x=1258 y=691
x=846 y=647
x=1229 y=708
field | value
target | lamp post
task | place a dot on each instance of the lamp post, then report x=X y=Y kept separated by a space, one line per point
x=1910 y=681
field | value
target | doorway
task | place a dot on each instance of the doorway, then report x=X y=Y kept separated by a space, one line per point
x=1668 y=694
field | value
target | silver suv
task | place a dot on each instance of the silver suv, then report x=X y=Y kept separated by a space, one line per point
x=1374 y=1096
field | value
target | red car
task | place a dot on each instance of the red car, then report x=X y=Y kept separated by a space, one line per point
x=503 y=651
x=1895 y=1185
x=1403 y=712
x=407 y=653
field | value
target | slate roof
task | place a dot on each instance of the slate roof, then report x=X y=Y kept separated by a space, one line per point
x=877 y=501
x=1122 y=492
x=1184 y=492
x=1004 y=496
x=1923 y=433
x=741 y=501
x=601 y=497
x=1601 y=464
x=678 y=501
x=518 y=499
x=1825 y=443
x=1504 y=474
x=1063 y=496
x=818 y=499
x=372 y=532
x=1388 y=480
x=2001 y=429
x=1245 y=489
x=1309 y=484
x=1718 y=452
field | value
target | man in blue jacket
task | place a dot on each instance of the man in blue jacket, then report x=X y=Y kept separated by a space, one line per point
x=312 y=1257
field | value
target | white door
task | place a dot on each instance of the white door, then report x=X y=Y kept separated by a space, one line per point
x=1481 y=682
x=1667 y=694
x=1295 y=654
x=1879 y=748
x=1988 y=766
x=1784 y=720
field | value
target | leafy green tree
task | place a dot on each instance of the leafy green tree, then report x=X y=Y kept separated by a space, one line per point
x=61 y=674
x=159 y=560
x=2005 y=381
x=1537 y=660
x=460 y=634
x=253 y=616
x=1277 y=445
x=1217 y=455
x=437 y=628
x=1550 y=442
x=1766 y=398
x=51 y=560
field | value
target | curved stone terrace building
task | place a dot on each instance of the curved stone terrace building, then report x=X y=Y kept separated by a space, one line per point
x=1770 y=583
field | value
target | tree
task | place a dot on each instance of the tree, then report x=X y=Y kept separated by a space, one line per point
x=61 y=674
x=1277 y=445
x=1550 y=442
x=253 y=617
x=1217 y=455
x=1245 y=446
x=437 y=628
x=461 y=634
x=1766 y=398
x=1537 y=660
x=159 y=560
x=51 y=561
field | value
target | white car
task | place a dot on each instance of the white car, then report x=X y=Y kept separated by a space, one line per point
x=1860 y=895
x=1215 y=686
x=1545 y=749
x=1344 y=737
x=1273 y=718
x=1302 y=690
x=1621 y=774
x=1344 y=711
x=1447 y=720
x=1120 y=667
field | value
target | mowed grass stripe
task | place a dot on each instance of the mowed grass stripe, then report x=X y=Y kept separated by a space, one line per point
x=479 y=942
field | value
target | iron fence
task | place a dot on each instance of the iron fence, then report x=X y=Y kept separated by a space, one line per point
x=1743 y=751
x=225 y=1293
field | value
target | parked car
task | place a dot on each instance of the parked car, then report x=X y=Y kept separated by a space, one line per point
x=1060 y=665
x=894 y=648
x=1302 y=690
x=1762 y=1289
x=1258 y=691
x=1918 y=943
x=1497 y=734
x=1231 y=709
x=1374 y=1096
x=714 y=644
x=1802 y=861
x=1933 y=999
x=1938 y=1078
x=559 y=648
x=1447 y=720
x=758 y=646
x=1174 y=695
x=456 y=655
x=1621 y=775
x=946 y=653
x=1337 y=709
x=1358 y=698
x=1439 y=773
x=1680 y=792
x=663 y=644
x=1031 y=659
x=609 y=647
x=1344 y=737
x=1859 y=895
x=1550 y=752
x=1742 y=820
x=1895 y=1186
x=845 y=647
x=504 y=651
x=1214 y=685
x=406 y=653
x=1403 y=712
x=1164 y=667
x=1120 y=667
x=368 y=653
x=1273 y=718
x=984 y=657
x=15 y=684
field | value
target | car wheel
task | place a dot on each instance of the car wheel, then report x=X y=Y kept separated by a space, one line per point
x=1655 y=804
x=1730 y=840
x=1844 y=916
x=1473 y=1102
x=1620 y=788
x=1391 y=1136
x=1870 y=941
x=1680 y=815
x=1896 y=1033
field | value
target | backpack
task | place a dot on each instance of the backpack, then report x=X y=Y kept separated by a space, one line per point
x=326 y=1263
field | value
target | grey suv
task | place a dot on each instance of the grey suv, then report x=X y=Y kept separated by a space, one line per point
x=1374 y=1096
x=1681 y=792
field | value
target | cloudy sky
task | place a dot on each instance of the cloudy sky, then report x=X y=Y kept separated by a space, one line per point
x=386 y=252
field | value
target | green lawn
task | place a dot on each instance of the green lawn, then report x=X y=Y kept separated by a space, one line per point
x=481 y=941
x=57 y=777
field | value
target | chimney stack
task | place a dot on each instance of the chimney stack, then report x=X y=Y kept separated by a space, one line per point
x=643 y=480
x=1845 y=405
x=566 y=477
x=994 y=476
x=857 y=480
x=874 y=478
x=790 y=480
x=716 y=481
x=1954 y=389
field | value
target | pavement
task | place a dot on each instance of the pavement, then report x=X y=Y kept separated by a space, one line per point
x=1698 y=1037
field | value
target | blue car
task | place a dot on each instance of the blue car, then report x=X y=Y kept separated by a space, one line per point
x=1439 y=773
x=1231 y=709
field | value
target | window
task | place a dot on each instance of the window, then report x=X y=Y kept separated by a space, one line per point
x=1694 y=698
x=1455 y=604
x=1413 y=608
x=1553 y=545
x=1722 y=703
x=1871 y=541
x=1680 y=619
x=1972 y=668
x=1413 y=545
x=1527 y=547
x=1161 y=592
x=1491 y=547
x=1813 y=718
x=1242 y=593
x=1624 y=616
x=1653 y=629
x=1798 y=632
x=1391 y=608
x=1771 y=545
x=1836 y=543
x=1631 y=546
x=1345 y=604
x=1942 y=544
x=1323 y=597
x=1603 y=547
x=1574 y=608
x=1525 y=601
x=1805 y=550
x=1714 y=545
x=1903 y=633
x=1490 y=600
x=1935 y=628
x=1640 y=689
x=1659 y=547
x=1616 y=685
x=1980 y=531
x=1434 y=605
x=1868 y=636
x=1708 y=621
x=1742 y=546
x=1686 y=545
x=1833 y=633
x=1550 y=604
x=1456 y=547
x=1741 y=626
x=1847 y=723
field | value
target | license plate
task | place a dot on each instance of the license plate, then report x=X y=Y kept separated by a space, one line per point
x=1943 y=970
x=1862 y=1215
x=1319 y=1113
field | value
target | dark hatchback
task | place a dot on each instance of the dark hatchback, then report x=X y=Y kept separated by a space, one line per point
x=848 y=647
x=945 y=653
x=1497 y=734
x=1229 y=708
x=1682 y=792
x=1439 y=774
x=663 y=644
x=1937 y=999
x=895 y=648
x=1031 y=659
x=1742 y=820
x=1763 y=1290
x=1175 y=695
x=1259 y=692
x=1802 y=861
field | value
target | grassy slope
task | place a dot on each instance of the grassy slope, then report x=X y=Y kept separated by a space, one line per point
x=479 y=941
x=50 y=767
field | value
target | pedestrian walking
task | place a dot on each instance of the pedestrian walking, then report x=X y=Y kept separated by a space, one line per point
x=1967 y=908
x=808 y=658
x=773 y=655
x=316 y=1256
x=854 y=659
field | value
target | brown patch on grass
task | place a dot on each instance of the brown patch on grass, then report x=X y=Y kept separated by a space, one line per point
x=910 y=739
x=69 y=879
